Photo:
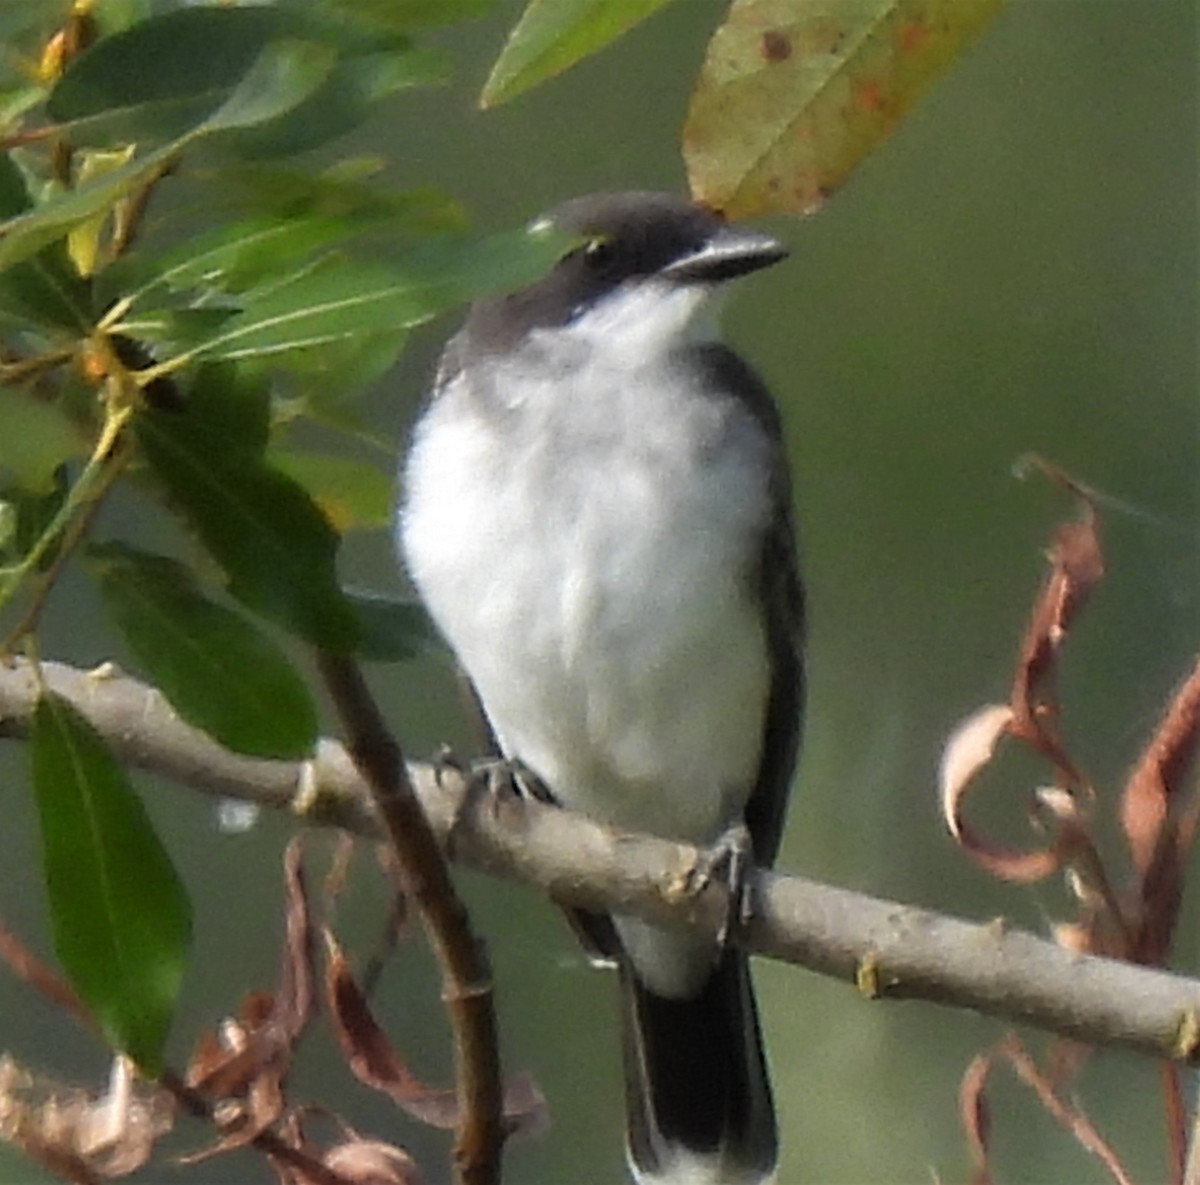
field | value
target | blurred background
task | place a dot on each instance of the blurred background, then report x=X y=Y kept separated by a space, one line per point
x=1014 y=272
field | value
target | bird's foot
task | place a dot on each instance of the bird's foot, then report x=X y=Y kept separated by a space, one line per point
x=728 y=861
x=491 y=782
x=508 y=778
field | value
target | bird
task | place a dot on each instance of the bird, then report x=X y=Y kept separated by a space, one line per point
x=597 y=513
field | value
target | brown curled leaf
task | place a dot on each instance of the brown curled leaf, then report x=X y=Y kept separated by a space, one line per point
x=1159 y=826
x=373 y=1059
x=970 y=747
x=245 y=1062
x=262 y=1039
x=1158 y=779
x=370 y=1055
x=294 y=1002
x=976 y=1118
x=78 y=1134
x=373 y=1162
x=1076 y=566
x=240 y=1067
x=355 y=1158
x=1068 y=1116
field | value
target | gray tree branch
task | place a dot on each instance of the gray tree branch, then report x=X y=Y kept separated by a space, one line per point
x=885 y=948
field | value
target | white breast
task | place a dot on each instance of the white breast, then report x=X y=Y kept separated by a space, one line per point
x=586 y=552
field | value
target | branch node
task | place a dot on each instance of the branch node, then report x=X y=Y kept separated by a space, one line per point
x=868 y=976
x=1185 y=1044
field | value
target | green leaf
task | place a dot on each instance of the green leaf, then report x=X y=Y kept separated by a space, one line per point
x=164 y=76
x=237 y=255
x=45 y=289
x=120 y=915
x=278 y=550
x=792 y=96
x=329 y=379
x=309 y=75
x=220 y=672
x=345 y=192
x=35 y=438
x=14 y=193
x=179 y=329
x=335 y=299
x=343 y=101
x=26 y=234
x=283 y=76
x=28 y=514
x=339 y=298
x=232 y=410
x=393 y=629
x=553 y=35
x=351 y=492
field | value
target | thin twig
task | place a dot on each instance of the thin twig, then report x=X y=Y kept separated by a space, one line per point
x=426 y=876
x=72 y=534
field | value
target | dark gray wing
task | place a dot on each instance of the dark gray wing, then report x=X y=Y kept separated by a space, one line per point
x=776 y=579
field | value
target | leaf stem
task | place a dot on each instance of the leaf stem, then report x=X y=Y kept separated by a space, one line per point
x=70 y=524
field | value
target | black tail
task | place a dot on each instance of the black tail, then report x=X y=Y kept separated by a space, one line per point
x=697 y=1095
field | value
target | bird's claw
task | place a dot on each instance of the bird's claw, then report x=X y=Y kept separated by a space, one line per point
x=729 y=860
x=508 y=777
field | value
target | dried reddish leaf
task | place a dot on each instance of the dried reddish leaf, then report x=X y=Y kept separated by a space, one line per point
x=975 y=1116
x=970 y=747
x=371 y=1056
x=1158 y=827
x=291 y=1133
x=374 y=1060
x=242 y=1067
x=1076 y=566
x=1068 y=1116
x=226 y=1059
x=356 y=1159
x=245 y=1063
x=77 y=1134
x=373 y=1162
x=294 y=1003
x=1075 y=937
x=1031 y=717
x=338 y=876
x=28 y=968
x=1177 y=1120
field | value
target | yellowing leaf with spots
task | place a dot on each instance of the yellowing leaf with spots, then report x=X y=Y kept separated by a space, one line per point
x=795 y=93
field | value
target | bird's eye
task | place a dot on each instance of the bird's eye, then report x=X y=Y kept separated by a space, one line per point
x=599 y=252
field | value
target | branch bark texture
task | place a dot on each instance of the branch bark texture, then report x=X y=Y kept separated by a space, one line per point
x=886 y=948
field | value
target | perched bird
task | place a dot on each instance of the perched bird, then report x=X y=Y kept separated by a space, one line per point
x=598 y=517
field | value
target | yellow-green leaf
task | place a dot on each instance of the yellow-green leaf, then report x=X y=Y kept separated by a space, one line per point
x=795 y=93
x=35 y=438
x=351 y=492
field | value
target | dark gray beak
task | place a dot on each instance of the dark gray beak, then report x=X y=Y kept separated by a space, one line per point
x=729 y=253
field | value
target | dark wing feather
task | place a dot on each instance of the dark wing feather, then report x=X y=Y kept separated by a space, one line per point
x=776 y=580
